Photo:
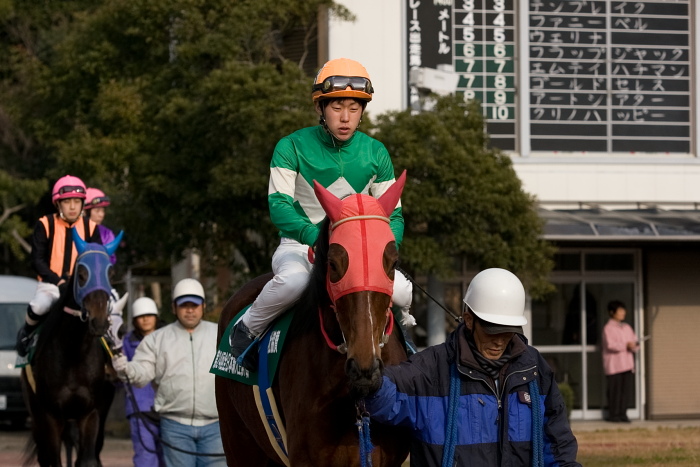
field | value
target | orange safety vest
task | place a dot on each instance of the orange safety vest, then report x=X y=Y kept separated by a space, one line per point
x=56 y=234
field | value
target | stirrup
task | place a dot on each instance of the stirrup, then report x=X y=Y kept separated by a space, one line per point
x=244 y=346
x=25 y=340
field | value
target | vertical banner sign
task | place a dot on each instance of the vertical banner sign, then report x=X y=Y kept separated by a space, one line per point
x=483 y=58
x=610 y=76
x=429 y=40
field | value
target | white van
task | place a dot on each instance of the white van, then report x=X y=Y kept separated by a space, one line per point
x=15 y=294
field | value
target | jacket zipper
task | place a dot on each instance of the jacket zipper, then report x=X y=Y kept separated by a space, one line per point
x=499 y=399
x=194 y=377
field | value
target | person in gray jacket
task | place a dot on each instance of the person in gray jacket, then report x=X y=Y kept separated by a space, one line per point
x=177 y=358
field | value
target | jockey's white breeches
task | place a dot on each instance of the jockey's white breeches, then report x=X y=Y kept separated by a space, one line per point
x=46 y=295
x=291 y=267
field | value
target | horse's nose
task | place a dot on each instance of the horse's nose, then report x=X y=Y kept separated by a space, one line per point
x=363 y=380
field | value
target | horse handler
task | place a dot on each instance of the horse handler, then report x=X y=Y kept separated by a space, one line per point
x=484 y=397
x=145 y=430
x=177 y=359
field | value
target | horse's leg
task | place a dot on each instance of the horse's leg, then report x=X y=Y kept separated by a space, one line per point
x=240 y=447
x=89 y=429
x=47 y=436
x=104 y=402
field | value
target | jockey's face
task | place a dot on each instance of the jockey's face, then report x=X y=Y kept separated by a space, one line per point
x=70 y=209
x=342 y=117
x=97 y=215
x=189 y=314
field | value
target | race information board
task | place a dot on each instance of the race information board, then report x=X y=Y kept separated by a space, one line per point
x=609 y=76
x=602 y=75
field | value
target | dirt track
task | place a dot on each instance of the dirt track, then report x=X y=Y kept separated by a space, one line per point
x=117 y=452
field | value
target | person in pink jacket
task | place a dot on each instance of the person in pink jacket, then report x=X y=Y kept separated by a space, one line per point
x=620 y=343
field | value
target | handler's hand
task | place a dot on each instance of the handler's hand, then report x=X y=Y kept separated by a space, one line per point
x=119 y=363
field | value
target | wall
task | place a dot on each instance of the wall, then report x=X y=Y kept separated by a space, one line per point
x=673 y=321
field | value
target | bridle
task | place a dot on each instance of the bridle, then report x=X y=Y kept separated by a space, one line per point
x=334 y=293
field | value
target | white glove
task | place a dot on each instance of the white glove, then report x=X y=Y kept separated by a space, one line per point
x=119 y=363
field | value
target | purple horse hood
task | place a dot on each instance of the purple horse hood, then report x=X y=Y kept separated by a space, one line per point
x=95 y=259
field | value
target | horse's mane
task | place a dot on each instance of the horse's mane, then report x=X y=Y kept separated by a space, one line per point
x=55 y=313
x=306 y=308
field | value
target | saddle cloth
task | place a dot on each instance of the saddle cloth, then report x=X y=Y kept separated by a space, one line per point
x=270 y=348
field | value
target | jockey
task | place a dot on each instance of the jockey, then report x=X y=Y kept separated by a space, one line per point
x=343 y=160
x=53 y=252
x=95 y=203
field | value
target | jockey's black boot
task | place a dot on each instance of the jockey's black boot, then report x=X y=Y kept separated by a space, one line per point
x=244 y=346
x=24 y=339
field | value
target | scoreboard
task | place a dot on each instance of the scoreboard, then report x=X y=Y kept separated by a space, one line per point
x=554 y=76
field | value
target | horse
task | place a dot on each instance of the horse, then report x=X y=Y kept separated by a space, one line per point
x=340 y=337
x=66 y=387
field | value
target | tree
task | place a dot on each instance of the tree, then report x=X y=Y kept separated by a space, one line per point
x=15 y=195
x=462 y=198
x=171 y=107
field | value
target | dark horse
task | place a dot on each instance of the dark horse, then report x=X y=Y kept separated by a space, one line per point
x=66 y=387
x=318 y=387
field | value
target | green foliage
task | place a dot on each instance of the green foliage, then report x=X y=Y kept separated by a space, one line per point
x=463 y=198
x=15 y=195
x=173 y=108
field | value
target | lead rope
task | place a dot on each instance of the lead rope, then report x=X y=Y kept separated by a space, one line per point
x=448 y=452
x=362 y=424
x=537 y=427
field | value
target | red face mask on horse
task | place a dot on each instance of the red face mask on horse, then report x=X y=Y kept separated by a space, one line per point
x=360 y=224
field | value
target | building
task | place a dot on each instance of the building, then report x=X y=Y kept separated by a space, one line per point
x=596 y=102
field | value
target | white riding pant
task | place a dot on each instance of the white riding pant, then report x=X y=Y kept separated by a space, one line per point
x=46 y=295
x=291 y=266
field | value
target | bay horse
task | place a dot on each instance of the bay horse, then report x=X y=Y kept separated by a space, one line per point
x=66 y=386
x=345 y=307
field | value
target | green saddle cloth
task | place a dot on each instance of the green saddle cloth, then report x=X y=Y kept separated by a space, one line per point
x=270 y=348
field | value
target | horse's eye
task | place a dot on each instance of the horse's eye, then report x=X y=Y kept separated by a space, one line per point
x=83 y=275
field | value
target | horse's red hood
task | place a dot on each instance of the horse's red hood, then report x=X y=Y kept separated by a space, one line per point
x=360 y=224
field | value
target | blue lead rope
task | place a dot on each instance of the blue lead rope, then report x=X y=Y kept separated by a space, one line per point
x=448 y=452
x=366 y=446
x=537 y=426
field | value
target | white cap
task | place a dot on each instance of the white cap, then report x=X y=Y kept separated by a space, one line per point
x=144 y=306
x=497 y=296
x=188 y=290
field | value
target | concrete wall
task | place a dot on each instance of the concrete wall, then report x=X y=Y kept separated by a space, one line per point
x=673 y=321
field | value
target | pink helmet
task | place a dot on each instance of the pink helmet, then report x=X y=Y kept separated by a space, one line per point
x=96 y=199
x=68 y=187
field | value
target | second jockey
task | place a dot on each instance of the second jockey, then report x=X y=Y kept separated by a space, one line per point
x=53 y=251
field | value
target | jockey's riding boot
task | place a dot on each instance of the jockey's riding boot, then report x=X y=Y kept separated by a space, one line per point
x=244 y=346
x=24 y=339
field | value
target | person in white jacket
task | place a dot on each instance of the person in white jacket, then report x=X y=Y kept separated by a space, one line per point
x=177 y=359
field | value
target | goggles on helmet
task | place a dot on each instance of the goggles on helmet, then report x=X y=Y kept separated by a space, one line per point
x=99 y=199
x=340 y=83
x=71 y=189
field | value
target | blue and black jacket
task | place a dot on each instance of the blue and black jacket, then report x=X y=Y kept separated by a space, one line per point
x=494 y=426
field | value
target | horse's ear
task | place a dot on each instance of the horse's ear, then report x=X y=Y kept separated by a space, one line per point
x=111 y=247
x=329 y=202
x=391 y=197
x=80 y=244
